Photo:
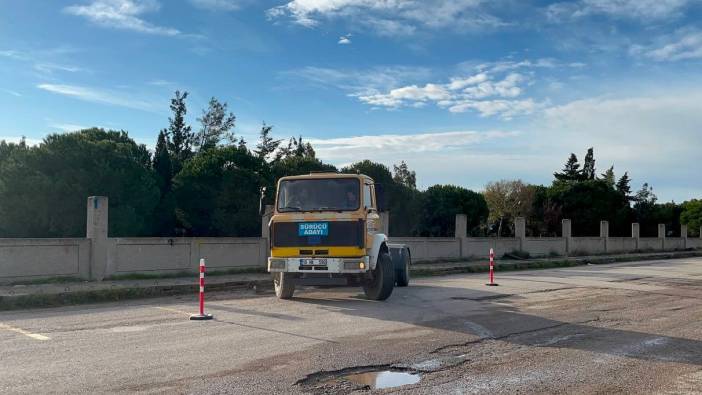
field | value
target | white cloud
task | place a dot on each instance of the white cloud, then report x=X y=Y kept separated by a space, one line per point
x=11 y=92
x=479 y=92
x=67 y=127
x=644 y=10
x=217 y=5
x=121 y=99
x=359 y=82
x=49 y=68
x=391 y=17
x=345 y=40
x=347 y=148
x=683 y=45
x=122 y=14
x=17 y=139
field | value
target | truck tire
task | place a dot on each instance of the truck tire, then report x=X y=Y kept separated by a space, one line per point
x=380 y=287
x=402 y=275
x=284 y=285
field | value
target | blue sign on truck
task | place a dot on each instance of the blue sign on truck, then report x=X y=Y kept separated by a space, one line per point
x=313 y=229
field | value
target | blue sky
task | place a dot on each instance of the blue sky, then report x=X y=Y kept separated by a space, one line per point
x=465 y=91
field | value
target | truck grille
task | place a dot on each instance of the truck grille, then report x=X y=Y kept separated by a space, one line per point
x=341 y=234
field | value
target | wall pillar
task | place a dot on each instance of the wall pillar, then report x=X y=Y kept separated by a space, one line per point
x=566 y=233
x=96 y=232
x=661 y=235
x=461 y=232
x=385 y=219
x=683 y=234
x=604 y=233
x=265 y=219
x=520 y=231
x=636 y=233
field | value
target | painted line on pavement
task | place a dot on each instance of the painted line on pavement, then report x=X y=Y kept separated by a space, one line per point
x=172 y=310
x=34 y=336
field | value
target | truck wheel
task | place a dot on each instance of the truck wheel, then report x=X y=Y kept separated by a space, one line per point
x=402 y=275
x=380 y=287
x=284 y=285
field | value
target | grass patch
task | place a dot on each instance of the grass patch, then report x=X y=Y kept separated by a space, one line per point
x=156 y=276
x=48 y=280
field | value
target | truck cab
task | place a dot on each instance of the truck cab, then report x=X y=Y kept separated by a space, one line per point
x=326 y=230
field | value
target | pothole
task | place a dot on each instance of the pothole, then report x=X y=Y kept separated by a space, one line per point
x=383 y=379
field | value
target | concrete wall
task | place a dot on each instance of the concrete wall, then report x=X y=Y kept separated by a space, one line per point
x=22 y=259
x=621 y=244
x=431 y=248
x=98 y=256
x=138 y=255
x=545 y=246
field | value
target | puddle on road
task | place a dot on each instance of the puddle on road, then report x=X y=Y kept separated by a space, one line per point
x=383 y=379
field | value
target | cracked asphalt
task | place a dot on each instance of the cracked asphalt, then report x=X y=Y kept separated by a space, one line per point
x=619 y=328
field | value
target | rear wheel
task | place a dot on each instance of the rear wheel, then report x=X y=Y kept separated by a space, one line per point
x=402 y=275
x=380 y=287
x=284 y=285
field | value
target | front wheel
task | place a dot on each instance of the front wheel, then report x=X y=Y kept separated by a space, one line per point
x=284 y=285
x=380 y=287
x=402 y=275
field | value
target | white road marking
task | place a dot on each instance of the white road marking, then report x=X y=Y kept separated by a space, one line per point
x=34 y=336
x=173 y=310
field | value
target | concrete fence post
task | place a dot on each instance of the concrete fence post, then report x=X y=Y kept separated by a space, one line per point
x=265 y=234
x=520 y=231
x=96 y=232
x=604 y=233
x=683 y=235
x=461 y=232
x=265 y=219
x=636 y=234
x=566 y=233
x=385 y=219
x=661 y=235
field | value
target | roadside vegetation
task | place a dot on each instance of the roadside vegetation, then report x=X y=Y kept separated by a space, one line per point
x=208 y=181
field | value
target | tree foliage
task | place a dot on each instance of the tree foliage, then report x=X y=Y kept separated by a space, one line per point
x=215 y=125
x=506 y=200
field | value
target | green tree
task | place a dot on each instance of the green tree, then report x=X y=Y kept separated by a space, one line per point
x=506 y=200
x=588 y=172
x=691 y=215
x=405 y=176
x=624 y=186
x=216 y=125
x=571 y=170
x=164 y=223
x=608 y=177
x=43 y=189
x=440 y=205
x=267 y=145
x=180 y=134
x=217 y=193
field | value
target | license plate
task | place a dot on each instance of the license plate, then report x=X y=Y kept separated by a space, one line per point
x=313 y=262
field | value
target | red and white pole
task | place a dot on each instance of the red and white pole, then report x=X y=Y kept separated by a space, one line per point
x=492 y=282
x=202 y=315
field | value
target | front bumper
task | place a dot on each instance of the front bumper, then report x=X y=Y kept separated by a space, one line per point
x=333 y=265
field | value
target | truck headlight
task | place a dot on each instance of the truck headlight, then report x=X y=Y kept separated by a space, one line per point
x=277 y=263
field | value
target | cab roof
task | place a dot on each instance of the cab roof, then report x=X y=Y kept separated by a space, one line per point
x=326 y=175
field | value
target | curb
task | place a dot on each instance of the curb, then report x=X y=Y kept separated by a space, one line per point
x=125 y=292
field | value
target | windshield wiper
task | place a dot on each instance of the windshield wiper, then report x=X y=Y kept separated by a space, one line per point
x=291 y=208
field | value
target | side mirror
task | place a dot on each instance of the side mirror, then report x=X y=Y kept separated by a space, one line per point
x=380 y=197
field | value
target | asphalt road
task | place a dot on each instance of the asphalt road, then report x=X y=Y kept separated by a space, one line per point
x=632 y=328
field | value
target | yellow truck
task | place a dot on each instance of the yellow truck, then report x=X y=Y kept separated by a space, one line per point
x=326 y=230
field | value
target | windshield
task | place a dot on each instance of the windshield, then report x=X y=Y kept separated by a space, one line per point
x=321 y=194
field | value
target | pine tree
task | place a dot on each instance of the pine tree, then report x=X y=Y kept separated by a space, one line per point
x=608 y=177
x=162 y=161
x=179 y=134
x=216 y=126
x=571 y=170
x=403 y=175
x=623 y=185
x=588 y=172
x=266 y=144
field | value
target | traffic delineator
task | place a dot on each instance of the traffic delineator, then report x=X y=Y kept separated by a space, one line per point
x=202 y=315
x=492 y=282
